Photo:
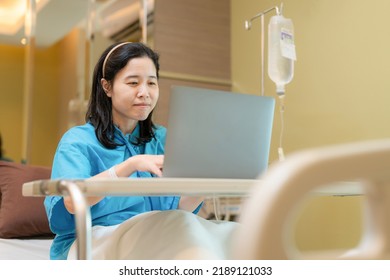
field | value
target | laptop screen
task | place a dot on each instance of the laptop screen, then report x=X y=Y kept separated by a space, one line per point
x=217 y=134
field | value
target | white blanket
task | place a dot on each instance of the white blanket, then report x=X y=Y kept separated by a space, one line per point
x=169 y=235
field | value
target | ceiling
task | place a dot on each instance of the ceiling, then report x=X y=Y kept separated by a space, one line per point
x=56 y=19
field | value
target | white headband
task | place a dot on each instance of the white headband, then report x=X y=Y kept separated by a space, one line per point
x=108 y=55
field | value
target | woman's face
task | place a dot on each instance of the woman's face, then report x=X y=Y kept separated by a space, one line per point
x=134 y=93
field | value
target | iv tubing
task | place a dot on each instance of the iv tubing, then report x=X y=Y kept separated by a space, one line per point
x=281 y=109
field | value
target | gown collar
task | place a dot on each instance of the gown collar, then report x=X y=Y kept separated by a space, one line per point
x=129 y=138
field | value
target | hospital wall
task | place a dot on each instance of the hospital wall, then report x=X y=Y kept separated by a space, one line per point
x=56 y=81
x=340 y=93
x=45 y=103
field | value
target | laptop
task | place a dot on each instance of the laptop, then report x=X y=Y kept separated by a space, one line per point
x=217 y=134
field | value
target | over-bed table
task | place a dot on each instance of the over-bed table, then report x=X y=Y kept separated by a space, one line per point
x=78 y=189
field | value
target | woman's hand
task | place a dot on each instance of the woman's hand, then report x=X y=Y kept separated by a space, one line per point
x=147 y=163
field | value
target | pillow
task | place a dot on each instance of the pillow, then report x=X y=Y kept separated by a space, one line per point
x=21 y=217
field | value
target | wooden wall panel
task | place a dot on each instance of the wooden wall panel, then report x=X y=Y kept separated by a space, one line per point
x=193 y=40
x=193 y=36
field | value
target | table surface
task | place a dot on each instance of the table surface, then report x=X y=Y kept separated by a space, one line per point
x=173 y=186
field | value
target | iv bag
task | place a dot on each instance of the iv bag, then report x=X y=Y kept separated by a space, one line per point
x=281 y=52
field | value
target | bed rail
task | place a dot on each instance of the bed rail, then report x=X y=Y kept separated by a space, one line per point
x=274 y=199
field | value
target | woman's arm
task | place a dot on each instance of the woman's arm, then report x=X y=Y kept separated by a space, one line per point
x=147 y=163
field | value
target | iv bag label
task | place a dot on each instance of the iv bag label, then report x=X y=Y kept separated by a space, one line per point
x=287 y=45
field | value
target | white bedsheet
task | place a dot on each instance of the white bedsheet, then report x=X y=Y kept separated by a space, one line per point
x=25 y=249
x=166 y=235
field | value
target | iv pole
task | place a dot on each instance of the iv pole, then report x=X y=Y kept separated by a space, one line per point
x=248 y=25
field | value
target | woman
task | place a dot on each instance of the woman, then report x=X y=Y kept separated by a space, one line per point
x=119 y=139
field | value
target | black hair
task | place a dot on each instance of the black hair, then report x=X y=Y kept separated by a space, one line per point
x=99 y=112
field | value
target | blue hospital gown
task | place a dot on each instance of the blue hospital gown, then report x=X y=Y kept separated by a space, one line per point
x=80 y=155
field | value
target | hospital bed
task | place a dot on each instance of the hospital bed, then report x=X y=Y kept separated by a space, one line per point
x=25 y=248
x=270 y=201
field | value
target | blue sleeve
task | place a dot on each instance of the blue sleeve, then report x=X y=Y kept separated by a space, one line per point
x=70 y=163
x=196 y=211
x=60 y=220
